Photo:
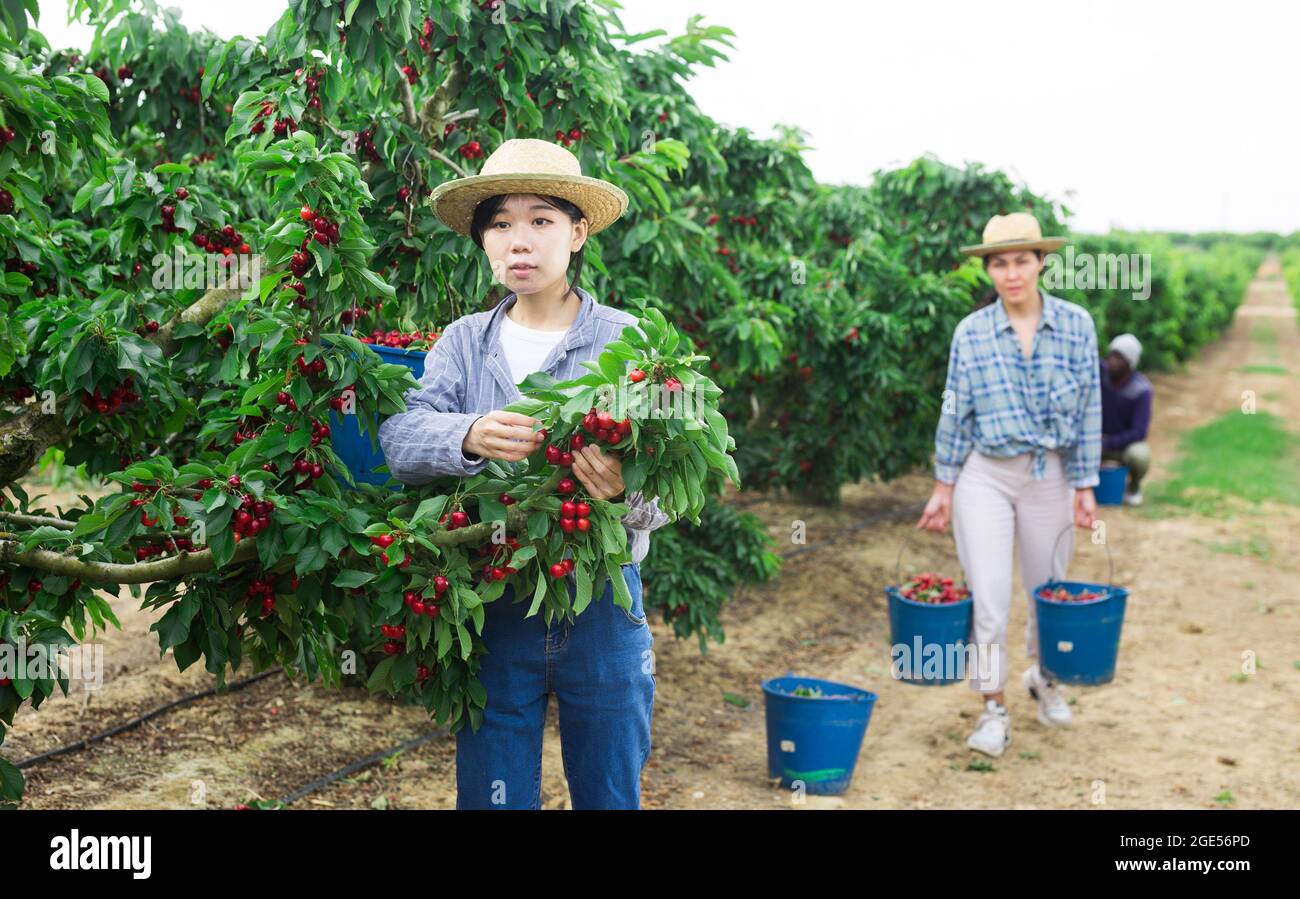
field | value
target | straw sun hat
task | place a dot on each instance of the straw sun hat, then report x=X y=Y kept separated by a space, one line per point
x=528 y=166
x=1017 y=231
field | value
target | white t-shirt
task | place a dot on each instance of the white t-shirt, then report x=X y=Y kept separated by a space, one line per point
x=526 y=348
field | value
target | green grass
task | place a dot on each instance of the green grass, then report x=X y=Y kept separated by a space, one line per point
x=1263 y=333
x=1263 y=369
x=1248 y=457
x=1257 y=546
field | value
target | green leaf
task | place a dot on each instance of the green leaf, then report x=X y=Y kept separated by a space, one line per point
x=583 y=596
x=380 y=677
x=11 y=779
x=622 y=596
x=539 y=593
x=349 y=577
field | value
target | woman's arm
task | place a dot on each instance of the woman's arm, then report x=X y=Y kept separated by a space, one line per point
x=1082 y=460
x=953 y=438
x=643 y=514
x=427 y=440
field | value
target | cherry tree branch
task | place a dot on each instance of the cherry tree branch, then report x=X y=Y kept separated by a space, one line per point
x=440 y=102
x=172 y=568
x=36 y=521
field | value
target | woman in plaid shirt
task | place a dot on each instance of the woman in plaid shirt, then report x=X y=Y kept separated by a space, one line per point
x=1017 y=450
x=530 y=211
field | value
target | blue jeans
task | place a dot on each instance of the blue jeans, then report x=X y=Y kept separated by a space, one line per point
x=601 y=670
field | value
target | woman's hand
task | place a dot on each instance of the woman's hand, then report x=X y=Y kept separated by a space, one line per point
x=1085 y=507
x=938 y=510
x=601 y=473
x=503 y=435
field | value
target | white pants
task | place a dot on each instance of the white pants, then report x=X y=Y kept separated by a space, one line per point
x=994 y=502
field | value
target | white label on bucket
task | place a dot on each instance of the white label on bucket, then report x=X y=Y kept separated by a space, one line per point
x=1064 y=645
x=787 y=745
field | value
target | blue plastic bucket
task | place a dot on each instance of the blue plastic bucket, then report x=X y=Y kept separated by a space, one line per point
x=815 y=740
x=1078 y=642
x=351 y=445
x=928 y=640
x=1110 y=489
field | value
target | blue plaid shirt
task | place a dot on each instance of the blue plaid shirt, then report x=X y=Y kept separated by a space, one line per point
x=466 y=375
x=1003 y=405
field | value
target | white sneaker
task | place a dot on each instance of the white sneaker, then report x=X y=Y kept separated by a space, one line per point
x=1053 y=710
x=1133 y=498
x=993 y=730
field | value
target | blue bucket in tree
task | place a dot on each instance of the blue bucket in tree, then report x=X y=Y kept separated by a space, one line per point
x=815 y=740
x=351 y=445
x=927 y=640
x=1110 y=489
x=1078 y=640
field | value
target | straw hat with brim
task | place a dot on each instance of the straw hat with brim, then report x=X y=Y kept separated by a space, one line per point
x=528 y=166
x=1008 y=233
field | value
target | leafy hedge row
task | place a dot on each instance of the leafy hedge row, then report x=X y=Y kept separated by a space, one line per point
x=1193 y=293
x=1291 y=271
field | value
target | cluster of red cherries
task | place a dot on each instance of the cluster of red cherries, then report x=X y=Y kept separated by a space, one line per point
x=109 y=404
x=575 y=134
x=253 y=515
x=401 y=339
x=324 y=232
x=498 y=566
x=226 y=241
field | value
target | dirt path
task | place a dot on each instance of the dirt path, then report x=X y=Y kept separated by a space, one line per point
x=1174 y=730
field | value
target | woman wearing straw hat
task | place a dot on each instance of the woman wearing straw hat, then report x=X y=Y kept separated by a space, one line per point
x=1017 y=450
x=530 y=211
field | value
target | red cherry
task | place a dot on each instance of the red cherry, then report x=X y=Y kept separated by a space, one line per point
x=584 y=524
x=636 y=376
x=558 y=570
x=583 y=509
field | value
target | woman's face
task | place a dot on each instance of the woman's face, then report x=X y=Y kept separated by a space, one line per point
x=1015 y=275
x=528 y=243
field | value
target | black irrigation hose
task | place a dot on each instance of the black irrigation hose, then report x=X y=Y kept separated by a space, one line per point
x=859 y=525
x=353 y=767
x=136 y=722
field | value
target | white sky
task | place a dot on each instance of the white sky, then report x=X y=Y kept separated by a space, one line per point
x=1146 y=114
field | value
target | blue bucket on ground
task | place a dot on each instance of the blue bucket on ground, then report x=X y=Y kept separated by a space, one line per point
x=1110 y=489
x=815 y=740
x=927 y=639
x=1078 y=642
x=351 y=445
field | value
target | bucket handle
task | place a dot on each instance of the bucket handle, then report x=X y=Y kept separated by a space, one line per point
x=1110 y=581
x=898 y=563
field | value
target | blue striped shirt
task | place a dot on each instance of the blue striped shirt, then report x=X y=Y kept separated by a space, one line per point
x=1004 y=405
x=466 y=375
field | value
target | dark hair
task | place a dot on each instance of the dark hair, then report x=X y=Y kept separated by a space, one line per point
x=486 y=209
x=987 y=256
x=992 y=296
